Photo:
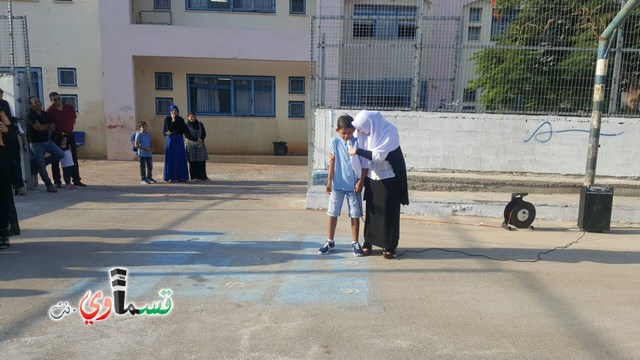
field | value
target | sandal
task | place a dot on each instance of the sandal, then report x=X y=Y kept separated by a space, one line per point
x=4 y=243
x=366 y=249
x=388 y=254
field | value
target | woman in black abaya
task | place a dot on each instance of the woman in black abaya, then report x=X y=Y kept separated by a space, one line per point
x=386 y=183
x=8 y=215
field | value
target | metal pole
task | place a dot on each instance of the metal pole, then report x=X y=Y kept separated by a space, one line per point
x=11 y=41
x=27 y=60
x=415 y=88
x=598 y=89
x=323 y=66
x=617 y=62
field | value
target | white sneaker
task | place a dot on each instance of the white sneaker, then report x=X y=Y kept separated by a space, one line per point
x=327 y=247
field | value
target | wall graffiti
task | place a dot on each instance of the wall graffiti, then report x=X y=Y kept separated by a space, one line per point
x=543 y=135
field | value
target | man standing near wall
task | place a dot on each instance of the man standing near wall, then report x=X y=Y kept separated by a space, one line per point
x=38 y=127
x=64 y=117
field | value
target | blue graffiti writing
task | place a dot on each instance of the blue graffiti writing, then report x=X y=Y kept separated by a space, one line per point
x=546 y=135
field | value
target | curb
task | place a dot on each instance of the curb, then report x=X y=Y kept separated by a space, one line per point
x=463 y=205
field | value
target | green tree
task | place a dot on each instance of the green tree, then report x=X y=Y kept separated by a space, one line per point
x=545 y=59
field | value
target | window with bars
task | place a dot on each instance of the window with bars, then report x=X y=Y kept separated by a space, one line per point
x=296 y=85
x=469 y=95
x=500 y=23
x=297 y=7
x=384 y=21
x=70 y=99
x=475 y=14
x=266 y=6
x=296 y=109
x=473 y=33
x=163 y=105
x=67 y=77
x=395 y=93
x=164 y=81
x=162 y=4
x=232 y=95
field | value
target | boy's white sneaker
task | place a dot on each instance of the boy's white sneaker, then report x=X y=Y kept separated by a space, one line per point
x=357 y=249
x=327 y=247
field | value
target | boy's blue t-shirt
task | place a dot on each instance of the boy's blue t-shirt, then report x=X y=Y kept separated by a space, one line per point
x=344 y=176
x=145 y=141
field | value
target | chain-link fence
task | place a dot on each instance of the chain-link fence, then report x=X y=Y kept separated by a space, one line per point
x=509 y=56
x=14 y=48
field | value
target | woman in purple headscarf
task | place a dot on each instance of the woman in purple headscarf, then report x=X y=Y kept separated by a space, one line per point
x=175 y=157
x=386 y=182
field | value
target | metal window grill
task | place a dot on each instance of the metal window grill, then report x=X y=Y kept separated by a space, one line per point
x=67 y=77
x=296 y=109
x=534 y=57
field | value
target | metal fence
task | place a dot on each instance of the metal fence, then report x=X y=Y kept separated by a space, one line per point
x=14 y=44
x=534 y=57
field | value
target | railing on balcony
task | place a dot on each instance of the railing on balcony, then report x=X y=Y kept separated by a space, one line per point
x=155 y=17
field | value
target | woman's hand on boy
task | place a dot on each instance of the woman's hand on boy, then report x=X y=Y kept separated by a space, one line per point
x=358 y=187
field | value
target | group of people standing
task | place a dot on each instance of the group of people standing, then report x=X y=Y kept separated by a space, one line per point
x=184 y=143
x=51 y=132
x=366 y=154
x=48 y=132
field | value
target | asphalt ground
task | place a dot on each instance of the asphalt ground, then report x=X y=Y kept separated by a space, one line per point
x=239 y=254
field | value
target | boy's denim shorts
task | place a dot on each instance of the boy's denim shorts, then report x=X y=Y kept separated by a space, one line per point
x=354 y=203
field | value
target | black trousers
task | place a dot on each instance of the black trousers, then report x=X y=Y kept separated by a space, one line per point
x=146 y=167
x=75 y=169
x=198 y=170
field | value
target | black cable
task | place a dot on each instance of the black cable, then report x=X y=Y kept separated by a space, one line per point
x=538 y=255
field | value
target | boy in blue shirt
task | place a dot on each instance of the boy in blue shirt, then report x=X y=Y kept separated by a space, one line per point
x=142 y=142
x=343 y=181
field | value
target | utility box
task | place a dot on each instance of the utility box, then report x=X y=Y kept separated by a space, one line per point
x=280 y=148
x=594 y=212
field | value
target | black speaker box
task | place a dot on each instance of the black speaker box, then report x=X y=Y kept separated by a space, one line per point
x=594 y=212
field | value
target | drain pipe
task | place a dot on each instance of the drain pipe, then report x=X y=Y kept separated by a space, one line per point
x=598 y=89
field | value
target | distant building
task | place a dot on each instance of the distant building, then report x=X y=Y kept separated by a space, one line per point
x=245 y=66
x=405 y=54
x=242 y=66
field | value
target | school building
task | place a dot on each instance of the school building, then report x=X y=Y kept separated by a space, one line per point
x=244 y=66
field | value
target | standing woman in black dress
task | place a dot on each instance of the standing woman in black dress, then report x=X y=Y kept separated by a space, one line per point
x=8 y=215
x=386 y=183
x=196 y=150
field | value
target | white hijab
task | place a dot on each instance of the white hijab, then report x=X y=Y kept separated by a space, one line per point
x=376 y=134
